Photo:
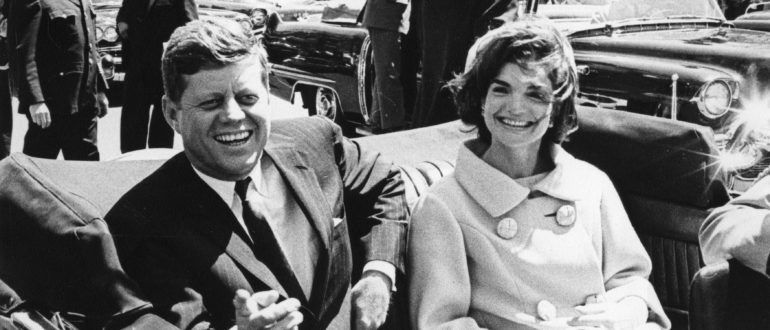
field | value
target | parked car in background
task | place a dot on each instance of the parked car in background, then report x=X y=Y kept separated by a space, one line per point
x=677 y=59
x=327 y=60
x=757 y=17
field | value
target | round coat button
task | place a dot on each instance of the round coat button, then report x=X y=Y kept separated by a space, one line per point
x=507 y=228
x=566 y=216
x=546 y=310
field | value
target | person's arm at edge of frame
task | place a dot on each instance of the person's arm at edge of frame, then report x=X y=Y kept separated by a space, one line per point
x=375 y=183
x=740 y=229
x=25 y=17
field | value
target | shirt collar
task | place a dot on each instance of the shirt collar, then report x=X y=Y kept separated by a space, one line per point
x=497 y=193
x=226 y=189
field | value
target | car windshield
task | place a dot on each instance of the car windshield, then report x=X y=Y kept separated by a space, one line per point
x=610 y=11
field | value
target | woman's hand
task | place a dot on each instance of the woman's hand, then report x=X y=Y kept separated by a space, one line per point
x=629 y=313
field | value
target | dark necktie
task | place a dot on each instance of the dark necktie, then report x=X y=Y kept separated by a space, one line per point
x=266 y=246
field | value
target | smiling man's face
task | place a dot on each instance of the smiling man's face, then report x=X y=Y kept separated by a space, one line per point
x=223 y=116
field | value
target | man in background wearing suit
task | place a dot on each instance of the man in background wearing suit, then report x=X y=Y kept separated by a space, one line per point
x=382 y=18
x=289 y=210
x=55 y=67
x=144 y=25
x=449 y=28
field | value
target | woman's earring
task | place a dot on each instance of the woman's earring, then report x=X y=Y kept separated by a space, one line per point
x=550 y=123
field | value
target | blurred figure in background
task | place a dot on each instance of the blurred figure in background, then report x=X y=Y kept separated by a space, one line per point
x=449 y=28
x=144 y=25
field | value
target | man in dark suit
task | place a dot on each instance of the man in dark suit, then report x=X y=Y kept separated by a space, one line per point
x=144 y=25
x=55 y=66
x=290 y=209
x=382 y=18
x=449 y=28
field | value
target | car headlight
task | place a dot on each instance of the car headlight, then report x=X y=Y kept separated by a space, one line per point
x=110 y=34
x=99 y=34
x=246 y=24
x=715 y=99
x=258 y=18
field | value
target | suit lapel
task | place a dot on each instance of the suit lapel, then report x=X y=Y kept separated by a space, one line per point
x=303 y=182
x=214 y=220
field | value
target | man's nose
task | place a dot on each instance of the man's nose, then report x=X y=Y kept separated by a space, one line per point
x=233 y=110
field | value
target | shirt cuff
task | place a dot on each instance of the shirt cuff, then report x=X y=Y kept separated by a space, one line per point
x=383 y=267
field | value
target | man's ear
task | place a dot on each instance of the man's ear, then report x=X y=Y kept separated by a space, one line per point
x=171 y=113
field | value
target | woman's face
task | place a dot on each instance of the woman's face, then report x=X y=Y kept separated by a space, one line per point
x=518 y=105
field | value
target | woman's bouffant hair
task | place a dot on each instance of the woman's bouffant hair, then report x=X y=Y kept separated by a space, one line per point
x=528 y=44
x=212 y=42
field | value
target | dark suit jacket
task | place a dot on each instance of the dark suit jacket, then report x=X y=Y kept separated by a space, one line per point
x=382 y=14
x=135 y=13
x=184 y=247
x=53 y=46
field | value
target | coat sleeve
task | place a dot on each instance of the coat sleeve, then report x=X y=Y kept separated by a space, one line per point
x=164 y=280
x=740 y=229
x=25 y=18
x=439 y=281
x=374 y=199
x=625 y=263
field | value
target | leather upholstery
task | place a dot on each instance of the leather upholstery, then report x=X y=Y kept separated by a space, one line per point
x=729 y=295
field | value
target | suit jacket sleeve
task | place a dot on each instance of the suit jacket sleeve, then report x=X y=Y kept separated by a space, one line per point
x=150 y=262
x=25 y=17
x=374 y=200
x=740 y=229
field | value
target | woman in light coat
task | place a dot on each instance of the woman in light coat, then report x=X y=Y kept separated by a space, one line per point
x=523 y=235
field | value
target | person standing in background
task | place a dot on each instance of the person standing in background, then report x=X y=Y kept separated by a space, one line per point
x=6 y=109
x=449 y=28
x=55 y=67
x=383 y=19
x=144 y=25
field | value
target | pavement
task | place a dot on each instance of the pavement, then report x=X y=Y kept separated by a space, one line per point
x=109 y=127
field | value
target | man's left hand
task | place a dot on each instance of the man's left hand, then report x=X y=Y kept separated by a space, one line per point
x=371 y=299
x=102 y=103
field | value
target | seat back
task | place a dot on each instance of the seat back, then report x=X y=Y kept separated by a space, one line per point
x=55 y=250
x=729 y=295
x=668 y=178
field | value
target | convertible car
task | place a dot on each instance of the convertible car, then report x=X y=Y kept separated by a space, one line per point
x=676 y=59
x=57 y=255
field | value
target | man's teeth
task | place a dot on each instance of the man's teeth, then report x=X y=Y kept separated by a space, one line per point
x=233 y=136
x=515 y=123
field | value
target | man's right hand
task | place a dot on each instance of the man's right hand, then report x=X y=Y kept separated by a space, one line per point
x=40 y=115
x=260 y=311
x=123 y=30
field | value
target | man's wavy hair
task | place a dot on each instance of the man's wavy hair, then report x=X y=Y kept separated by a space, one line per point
x=528 y=44
x=208 y=43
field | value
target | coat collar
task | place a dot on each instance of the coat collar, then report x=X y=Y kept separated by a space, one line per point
x=497 y=193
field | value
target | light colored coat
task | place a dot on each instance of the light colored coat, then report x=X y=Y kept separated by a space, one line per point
x=463 y=275
x=740 y=229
